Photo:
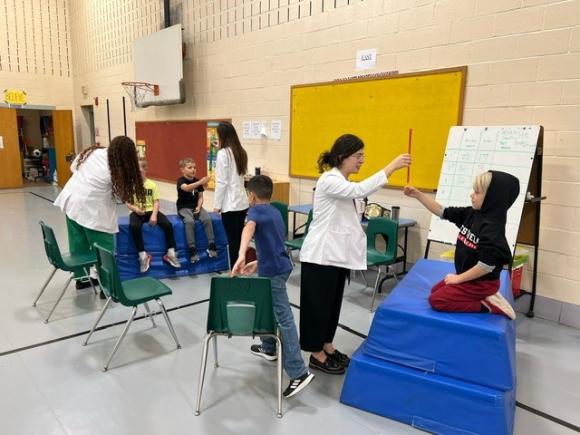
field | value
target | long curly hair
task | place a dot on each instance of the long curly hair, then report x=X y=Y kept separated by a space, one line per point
x=229 y=139
x=125 y=172
x=85 y=154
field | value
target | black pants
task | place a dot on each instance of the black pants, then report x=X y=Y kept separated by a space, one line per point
x=234 y=225
x=321 y=290
x=136 y=222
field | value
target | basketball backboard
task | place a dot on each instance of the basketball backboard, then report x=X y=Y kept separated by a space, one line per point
x=158 y=59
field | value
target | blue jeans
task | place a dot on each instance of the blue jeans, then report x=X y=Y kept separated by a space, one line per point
x=291 y=356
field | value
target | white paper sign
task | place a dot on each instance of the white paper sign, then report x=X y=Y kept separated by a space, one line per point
x=263 y=129
x=276 y=129
x=247 y=129
x=366 y=59
x=256 y=127
x=1 y=142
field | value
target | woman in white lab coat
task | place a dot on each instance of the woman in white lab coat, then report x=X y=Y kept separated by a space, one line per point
x=230 y=198
x=100 y=176
x=335 y=244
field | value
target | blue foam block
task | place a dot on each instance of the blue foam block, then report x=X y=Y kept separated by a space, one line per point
x=477 y=348
x=156 y=246
x=425 y=400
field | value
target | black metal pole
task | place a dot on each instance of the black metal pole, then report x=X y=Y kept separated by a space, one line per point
x=166 y=13
x=109 y=121
x=124 y=118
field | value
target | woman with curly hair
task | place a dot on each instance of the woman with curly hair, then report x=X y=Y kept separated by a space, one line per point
x=100 y=176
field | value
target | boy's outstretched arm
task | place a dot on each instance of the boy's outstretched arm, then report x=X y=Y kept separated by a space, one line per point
x=247 y=234
x=190 y=187
x=428 y=202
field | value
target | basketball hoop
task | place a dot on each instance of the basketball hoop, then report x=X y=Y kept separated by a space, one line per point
x=137 y=92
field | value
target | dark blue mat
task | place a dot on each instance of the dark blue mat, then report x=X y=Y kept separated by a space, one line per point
x=156 y=246
x=476 y=348
x=425 y=400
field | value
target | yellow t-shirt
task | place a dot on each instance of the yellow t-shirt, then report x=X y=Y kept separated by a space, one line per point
x=151 y=195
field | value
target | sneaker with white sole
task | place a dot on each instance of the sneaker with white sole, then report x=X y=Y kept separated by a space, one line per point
x=297 y=385
x=497 y=304
x=212 y=250
x=144 y=263
x=172 y=261
x=257 y=350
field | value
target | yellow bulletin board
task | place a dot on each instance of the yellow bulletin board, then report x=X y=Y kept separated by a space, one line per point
x=381 y=111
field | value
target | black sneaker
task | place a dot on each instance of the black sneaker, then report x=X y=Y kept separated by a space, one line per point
x=212 y=250
x=342 y=359
x=193 y=257
x=329 y=366
x=79 y=285
x=298 y=384
x=257 y=350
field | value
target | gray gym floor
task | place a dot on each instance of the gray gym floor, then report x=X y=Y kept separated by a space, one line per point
x=50 y=384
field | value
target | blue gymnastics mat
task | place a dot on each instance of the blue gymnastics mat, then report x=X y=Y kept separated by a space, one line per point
x=156 y=246
x=476 y=348
x=425 y=400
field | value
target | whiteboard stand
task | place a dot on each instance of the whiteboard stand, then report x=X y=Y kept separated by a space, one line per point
x=529 y=224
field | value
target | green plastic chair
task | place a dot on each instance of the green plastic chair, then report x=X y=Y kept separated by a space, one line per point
x=389 y=229
x=296 y=244
x=63 y=261
x=240 y=306
x=283 y=209
x=130 y=293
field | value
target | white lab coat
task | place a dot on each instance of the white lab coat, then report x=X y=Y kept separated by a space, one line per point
x=87 y=197
x=335 y=236
x=230 y=194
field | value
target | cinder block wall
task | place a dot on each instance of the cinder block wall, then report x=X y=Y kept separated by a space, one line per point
x=523 y=60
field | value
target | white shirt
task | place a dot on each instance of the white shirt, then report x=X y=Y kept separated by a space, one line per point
x=87 y=197
x=335 y=236
x=230 y=194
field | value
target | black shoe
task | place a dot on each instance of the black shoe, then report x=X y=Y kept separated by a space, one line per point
x=212 y=250
x=342 y=359
x=257 y=350
x=329 y=366
x=298 y=384
x=79 y=285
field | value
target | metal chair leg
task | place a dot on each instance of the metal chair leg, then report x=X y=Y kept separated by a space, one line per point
x=150 y=314
x=375 y=289
x=289 y=253
x=87 y=271
x=206 y=340
x=59 y=298
x=168 y=321
x=215 y=353
x=44 y=286
x=279 y=372
x=101 y=314
x=120 y=339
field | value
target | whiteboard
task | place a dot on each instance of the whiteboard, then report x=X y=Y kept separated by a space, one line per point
x=473 y=150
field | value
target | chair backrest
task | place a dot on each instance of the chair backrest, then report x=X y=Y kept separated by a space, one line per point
x=283 y=209
x=308 y=221
x=51 y=246
x=241 y=306
x=389 y=229
x=109 y=275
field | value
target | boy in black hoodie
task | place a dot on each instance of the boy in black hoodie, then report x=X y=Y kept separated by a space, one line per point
x=481 y=249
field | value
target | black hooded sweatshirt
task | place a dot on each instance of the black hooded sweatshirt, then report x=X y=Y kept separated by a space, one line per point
x=482 y=232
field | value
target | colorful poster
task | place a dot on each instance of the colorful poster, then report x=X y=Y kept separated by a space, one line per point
x=212 y=149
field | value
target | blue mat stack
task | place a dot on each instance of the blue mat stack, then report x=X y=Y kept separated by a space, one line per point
x=155 y=245
x=445 y=373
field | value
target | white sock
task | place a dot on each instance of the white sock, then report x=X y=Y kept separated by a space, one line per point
x=143 y=255
x=171 y=252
